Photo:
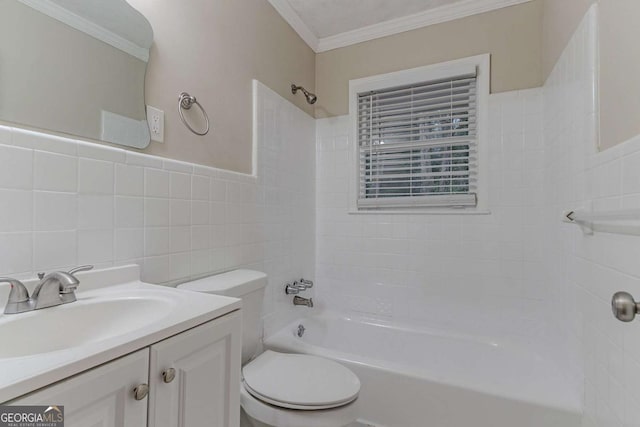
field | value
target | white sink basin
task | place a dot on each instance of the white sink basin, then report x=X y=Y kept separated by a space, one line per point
x=115 y=314
x=76 y=324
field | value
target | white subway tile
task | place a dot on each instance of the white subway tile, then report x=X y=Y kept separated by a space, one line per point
x=16 y=213
x=129 y=212
x=55 y=211
x=95 y=176
x=156 y=212
x=180 y=185
x=156 y=241
x=179 y=266
x=129 y=243
x=16 y=253
x=199 y=213
x=180 y=239
x=17 y=167
x=200 y=187
x=156 y=183
x=54 y=250
x=95 y=246
x=95 y=212
x=55 y=172
x=129 y=180
x=156 y=269
x=180 y=212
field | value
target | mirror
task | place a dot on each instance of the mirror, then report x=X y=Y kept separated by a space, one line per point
x=75 y=67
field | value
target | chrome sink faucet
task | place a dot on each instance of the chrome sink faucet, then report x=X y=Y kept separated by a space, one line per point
x=53 y=289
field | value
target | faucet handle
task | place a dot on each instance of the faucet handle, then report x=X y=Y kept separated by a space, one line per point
x=19 y=292
x=291 y=289
x=307 y=283
x=18 y=301
x=80 y=268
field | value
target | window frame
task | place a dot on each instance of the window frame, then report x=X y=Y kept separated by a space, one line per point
x=413 y=76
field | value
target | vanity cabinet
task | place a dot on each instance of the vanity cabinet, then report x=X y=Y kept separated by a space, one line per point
x=193 y=380
x=195 y=377
x=102 y=396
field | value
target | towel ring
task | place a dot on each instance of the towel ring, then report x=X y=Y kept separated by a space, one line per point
x=185 y=102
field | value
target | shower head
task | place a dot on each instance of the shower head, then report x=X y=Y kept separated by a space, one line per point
x=311 y=98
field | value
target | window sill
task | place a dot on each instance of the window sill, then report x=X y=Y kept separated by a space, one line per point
x=419 y=212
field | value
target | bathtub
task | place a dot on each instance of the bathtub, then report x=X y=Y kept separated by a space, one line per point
x=421 y=378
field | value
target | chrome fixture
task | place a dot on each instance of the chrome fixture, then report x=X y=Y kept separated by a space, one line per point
x=53 y=289
x=311 y=97
x=297 y=287
x=308 y=302
x=301 y=330
x=307 y=283
x=185 y=102
x=18 y=301
x=292 y=288
x=624 y=306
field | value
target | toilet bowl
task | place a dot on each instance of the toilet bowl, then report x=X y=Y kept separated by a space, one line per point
x=293 y=390
x=278 y=389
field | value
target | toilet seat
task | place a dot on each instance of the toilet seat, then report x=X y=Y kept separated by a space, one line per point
x=300 y=381
x=271 y=415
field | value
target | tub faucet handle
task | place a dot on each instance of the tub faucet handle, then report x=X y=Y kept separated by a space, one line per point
x=307 y=283
x=291 y=289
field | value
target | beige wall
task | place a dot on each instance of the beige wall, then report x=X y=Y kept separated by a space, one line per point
x=619 y=59
x=213 y=50
x=511 y=35
x=56 y=78
x=560 y=20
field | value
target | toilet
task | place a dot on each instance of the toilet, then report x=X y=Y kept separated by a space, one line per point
x=278 y=389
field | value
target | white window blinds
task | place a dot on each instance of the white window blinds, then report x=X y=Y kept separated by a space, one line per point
x=418 y=144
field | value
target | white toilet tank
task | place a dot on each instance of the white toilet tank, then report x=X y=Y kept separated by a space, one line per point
x=249 y=286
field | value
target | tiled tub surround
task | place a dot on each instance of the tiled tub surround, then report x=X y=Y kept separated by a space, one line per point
x=517 y=274
x=66 y=202
x=584 y=271
x=476 y=274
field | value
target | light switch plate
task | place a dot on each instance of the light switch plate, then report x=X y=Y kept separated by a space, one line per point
x=155 y=117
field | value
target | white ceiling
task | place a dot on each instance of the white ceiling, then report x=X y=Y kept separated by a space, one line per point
x=330 y=24
x=330 y=17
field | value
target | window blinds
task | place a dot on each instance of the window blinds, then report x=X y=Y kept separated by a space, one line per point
x=417 y=144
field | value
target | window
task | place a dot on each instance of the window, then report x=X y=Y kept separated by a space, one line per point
x=417 y=136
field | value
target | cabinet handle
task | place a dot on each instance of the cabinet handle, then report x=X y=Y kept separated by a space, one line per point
x=141 y=391
x=169 y=375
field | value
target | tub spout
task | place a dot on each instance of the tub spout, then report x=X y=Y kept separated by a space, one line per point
x=303 y=301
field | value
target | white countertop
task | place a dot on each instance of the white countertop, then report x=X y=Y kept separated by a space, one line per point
x=21 y=375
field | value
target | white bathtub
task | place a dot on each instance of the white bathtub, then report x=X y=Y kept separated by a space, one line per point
x=419 y=378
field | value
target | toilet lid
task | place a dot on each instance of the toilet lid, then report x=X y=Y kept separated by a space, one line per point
x=300 y=381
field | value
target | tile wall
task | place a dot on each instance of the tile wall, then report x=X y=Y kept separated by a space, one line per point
x=66 y=202
x=412 y=268
x=602 y=353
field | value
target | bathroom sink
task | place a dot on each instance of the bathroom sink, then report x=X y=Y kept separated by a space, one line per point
x=115 y=314
x=76 y=324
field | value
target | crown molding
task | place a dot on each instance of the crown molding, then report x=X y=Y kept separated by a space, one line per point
x=283 y=7
x=387 y=28
x=59 y=13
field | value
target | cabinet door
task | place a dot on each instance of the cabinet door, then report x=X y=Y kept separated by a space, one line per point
x=205 y=391
x=101 y=397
